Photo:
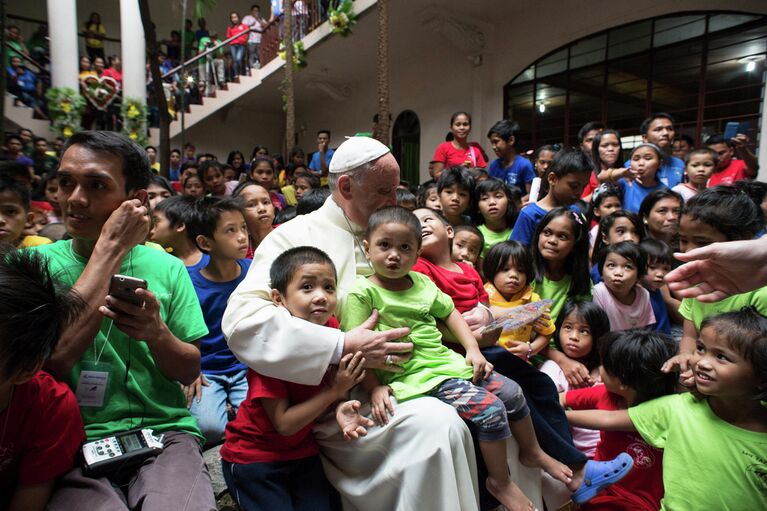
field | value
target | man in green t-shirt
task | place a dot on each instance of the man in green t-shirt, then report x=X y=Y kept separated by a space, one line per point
x=124 y=361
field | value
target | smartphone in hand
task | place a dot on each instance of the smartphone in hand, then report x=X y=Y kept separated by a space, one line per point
x=124 y=288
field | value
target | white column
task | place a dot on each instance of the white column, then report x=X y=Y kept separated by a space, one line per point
x=133 y=49
x=64 y=44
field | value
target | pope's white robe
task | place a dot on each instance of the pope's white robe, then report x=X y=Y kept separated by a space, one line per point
x=424 y=458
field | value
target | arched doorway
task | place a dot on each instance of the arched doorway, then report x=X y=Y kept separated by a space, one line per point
x=406 y=137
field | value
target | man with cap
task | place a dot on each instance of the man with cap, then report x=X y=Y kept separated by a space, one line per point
x=424 y=458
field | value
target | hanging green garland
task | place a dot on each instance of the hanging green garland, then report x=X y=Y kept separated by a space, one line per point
x=65 y=108
x=299 y=54
x=134 y=114
x=342 y=18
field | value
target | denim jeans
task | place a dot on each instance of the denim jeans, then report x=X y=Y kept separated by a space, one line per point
x=297 y=485
x=210 y=411
x=238 y=52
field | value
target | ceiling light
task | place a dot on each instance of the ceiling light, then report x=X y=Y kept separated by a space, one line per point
x=541 y=108
x=750 y=66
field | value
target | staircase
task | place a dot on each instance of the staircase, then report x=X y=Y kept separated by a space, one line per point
x=235 y=90
x=18 y=115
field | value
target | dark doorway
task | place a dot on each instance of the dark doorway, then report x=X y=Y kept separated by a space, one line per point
x=407 y=145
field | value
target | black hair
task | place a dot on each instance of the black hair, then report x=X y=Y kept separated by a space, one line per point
x=645 y=126
x=606 y=223
x=702 y=150
x=658 y=252
x=718 y=139
x=492 y=185
x=207 y=212
x=206 y=166
x=756 y=191
x=35 y=140
x=312 y=200
x=285 y=215
x=286 y=265
x=240 y=187
x=178 y=151
x=8 y=184
x=727 y=210
x=635 y=358
x=458 y=176
x=319 y=132
x=314 y=181
x=603 y=191
x=423 y=192
x=745 y=331
x=14 y=169
x=595 y=148
x=439 y=214
x=13 y=136
x=404 y=195
x=655 y=197
x=589 y=126
x=546 y=147
x=627 y=250
x=230 y=160
x=178 y=209
x=147 y=148
x=162 y=182
x=594 y=316
x=570 y=160
x=257 y=149
x=394 y=215
x=135 y=163
x=686 y=138
x=505 y=129
x=456 y=114
x=36 y=309
x=189 y=178
x=577 y=262
x=296 y=151
x=501 y=253
x=261 y=159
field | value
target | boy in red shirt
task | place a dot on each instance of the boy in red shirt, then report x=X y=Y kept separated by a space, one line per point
x=270 y=458
x=40 y=425
x=730 y=169
x=630 y=371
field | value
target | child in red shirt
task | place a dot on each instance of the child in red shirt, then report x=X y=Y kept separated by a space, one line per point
x=40 y=425
x=630 y=371
x=270 y=458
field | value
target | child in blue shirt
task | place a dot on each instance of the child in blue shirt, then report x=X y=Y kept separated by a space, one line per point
x=169 y=219
x=567 y=177
x=660 y=261
x=509 y=167
x=218 y=228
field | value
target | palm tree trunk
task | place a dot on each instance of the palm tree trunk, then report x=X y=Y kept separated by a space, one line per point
x=290 y=100
x=381 y=131
x=159 y=94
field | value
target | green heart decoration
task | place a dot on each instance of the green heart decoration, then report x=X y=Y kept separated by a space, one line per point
x=100 y=91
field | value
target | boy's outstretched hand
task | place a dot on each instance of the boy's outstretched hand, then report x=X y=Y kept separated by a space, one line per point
x=380 y=404
x=482 y=368
x=350 y=372
x=351 y=422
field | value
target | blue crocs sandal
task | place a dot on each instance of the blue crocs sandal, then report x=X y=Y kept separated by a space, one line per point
x=600 y=475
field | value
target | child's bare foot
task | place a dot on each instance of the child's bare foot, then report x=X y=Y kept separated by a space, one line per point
x=509 y=495
x=539 y=459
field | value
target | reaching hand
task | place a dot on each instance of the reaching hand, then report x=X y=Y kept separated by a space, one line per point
x=682 y=363
x=719 y=270
x=577 y=374
x=352 y=424
x=380 y=404
x=195 y=389
x=142 y=323
x=482 y=368
x=350 y=372
x=477 y=317
x=377 y=347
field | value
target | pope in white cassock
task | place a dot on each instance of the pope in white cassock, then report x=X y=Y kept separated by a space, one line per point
x=423 y=459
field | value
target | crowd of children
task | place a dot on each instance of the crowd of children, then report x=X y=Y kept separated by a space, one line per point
x=616 y=391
